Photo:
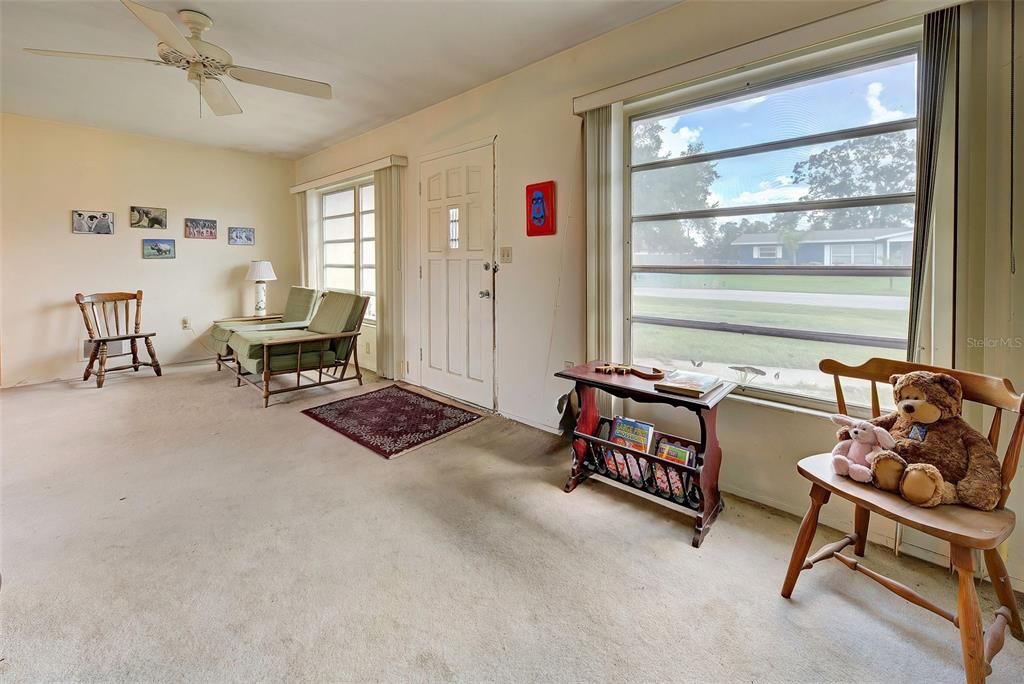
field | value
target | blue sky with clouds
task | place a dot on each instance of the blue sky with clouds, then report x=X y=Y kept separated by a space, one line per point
x=881 y=92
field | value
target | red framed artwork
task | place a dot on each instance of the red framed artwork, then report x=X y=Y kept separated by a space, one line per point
x=540 y=208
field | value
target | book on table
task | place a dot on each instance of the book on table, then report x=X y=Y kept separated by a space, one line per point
x=632 y=434
x=688 y=384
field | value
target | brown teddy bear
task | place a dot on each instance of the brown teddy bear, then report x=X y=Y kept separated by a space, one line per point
x=938 y=457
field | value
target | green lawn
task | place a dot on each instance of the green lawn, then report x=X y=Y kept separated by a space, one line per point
x=663 y=342
x=882 y=323
x=778 y=283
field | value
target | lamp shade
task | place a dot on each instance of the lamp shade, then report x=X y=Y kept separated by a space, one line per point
x=261 y=270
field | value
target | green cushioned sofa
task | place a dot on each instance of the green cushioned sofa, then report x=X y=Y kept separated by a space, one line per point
x=298 y=311
x=326 y=345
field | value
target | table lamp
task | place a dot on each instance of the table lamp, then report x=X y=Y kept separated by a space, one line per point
x=261 y=272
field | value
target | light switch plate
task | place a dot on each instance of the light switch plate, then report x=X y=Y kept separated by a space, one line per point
x=505 y=255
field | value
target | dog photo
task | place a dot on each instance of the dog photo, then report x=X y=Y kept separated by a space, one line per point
x=241 y=236
x=203 y=229
x=148 y=217
x=95 y=222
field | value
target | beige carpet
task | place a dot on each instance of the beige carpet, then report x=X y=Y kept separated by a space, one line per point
x=170 y=529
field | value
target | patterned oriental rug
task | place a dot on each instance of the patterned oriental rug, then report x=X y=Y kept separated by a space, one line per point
x=393 y=420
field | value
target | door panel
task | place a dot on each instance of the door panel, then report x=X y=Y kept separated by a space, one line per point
x=456 y=295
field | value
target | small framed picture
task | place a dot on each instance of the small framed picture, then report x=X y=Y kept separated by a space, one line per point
x=540 y=208
x=158 y=249
x=238 y=235
x=148 y=217
x=203 y=229
x=94 y=222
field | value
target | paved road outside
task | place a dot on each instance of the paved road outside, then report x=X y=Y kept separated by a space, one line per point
x=853 y=301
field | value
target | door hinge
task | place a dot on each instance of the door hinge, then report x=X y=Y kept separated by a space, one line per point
x=421 y=353
x=421 y=187
x=421 y=272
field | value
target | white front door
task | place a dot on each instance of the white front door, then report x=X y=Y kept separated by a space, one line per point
x=457 y=281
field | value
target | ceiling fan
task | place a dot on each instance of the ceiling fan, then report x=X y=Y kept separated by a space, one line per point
x=204 y=62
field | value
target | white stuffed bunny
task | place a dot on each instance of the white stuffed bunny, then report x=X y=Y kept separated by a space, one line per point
x=852 y=457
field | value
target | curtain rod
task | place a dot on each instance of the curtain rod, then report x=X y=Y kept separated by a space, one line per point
x=341 y=176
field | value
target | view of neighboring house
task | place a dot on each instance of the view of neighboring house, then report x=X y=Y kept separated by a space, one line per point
x=871 y=247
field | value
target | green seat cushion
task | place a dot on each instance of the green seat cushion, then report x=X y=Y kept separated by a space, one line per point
x=338 y=312
x=286 y=362
x=248 y=344
x=301 y=301
x=221 y=333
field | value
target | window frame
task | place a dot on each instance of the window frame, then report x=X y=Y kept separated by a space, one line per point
x=357 y=240
x=727 y=87
x=759 y=251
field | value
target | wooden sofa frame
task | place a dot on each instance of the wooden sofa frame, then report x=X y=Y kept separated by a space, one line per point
x=324 y=340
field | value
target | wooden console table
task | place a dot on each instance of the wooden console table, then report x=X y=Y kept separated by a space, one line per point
x=692 y=489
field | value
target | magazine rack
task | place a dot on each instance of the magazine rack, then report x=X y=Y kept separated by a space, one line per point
x=692 y=489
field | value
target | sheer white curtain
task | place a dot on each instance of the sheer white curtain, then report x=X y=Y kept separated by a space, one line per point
x=604 y=237
x=302 y=223
x=387 y=185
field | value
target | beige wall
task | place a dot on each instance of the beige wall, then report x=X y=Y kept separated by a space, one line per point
x=51 y=168
x=541 y=295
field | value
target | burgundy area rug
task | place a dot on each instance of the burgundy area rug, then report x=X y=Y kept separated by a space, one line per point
x=391 y=421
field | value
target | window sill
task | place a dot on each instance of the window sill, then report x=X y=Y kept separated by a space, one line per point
x=804 y=406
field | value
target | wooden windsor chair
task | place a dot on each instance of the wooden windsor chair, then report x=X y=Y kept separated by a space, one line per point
x=965 y=529
x=114 y=307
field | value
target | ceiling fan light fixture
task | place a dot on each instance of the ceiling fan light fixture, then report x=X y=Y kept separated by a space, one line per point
x=204 y=62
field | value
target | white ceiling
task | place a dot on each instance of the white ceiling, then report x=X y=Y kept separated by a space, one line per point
x=384 y=58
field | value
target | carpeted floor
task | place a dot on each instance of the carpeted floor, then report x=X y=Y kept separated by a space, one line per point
x=170 y=529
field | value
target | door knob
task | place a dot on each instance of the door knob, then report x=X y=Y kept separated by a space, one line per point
x=484 y=294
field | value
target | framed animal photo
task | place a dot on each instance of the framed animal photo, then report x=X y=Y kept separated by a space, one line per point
x=203 y=229
x=540 y=208
x=148 y=217
x=238 y=235
x=158 y=249
x=92 y=222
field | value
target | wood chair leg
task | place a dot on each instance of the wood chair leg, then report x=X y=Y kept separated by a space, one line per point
x=266 y=386
x=92 y=360
x=969 y=616
x=804 y=538
x=101 y=374
x=219 y=361
x=1004 y=590
x=355 y=362
x=135 y=355
x=152 y=357
x=861 y=518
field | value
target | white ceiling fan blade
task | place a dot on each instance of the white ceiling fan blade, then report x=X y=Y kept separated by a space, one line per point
x=162 y=27
x=217 y=96
x=291 y=84
x=90 y=55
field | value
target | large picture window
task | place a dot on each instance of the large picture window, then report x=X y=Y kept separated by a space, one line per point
x=349 y=250
x=772 y=228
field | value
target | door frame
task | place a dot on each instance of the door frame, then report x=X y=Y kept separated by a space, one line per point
x=492 y=142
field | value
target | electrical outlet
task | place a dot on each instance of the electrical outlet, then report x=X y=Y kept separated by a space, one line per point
x=505 y=255
x=366 y=347
x=569 y=364
x=186 y=323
